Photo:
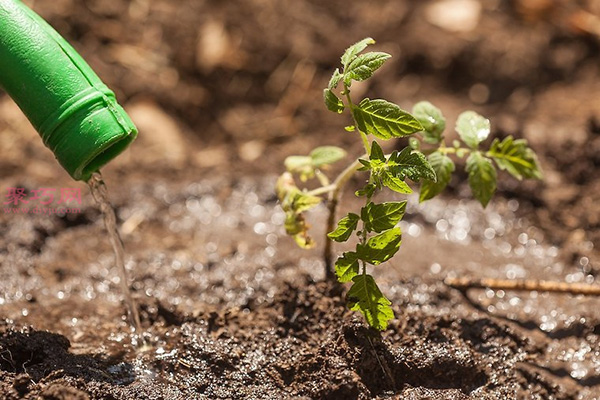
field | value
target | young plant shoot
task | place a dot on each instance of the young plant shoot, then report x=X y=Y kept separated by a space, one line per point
x=426 y=161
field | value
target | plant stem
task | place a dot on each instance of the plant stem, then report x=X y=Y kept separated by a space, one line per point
x=321 y=190
x=323 y=179
x=334 y=195
x=446 y=150
x=335 y=190
x=332 y=202
x=365 y=140
x=363 y=236
x=327 y=253
x=363 y=135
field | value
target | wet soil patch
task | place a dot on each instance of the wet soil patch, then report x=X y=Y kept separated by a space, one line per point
x=318 y=350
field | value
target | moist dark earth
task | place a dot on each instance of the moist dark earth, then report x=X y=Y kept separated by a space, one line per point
x=222 y=92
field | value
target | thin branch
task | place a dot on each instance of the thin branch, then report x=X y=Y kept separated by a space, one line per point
x=321 y=190
x=327 y=250
x=323 y=179
x=529 y=285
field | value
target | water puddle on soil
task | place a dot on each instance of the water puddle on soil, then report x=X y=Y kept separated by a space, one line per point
x=100 y=194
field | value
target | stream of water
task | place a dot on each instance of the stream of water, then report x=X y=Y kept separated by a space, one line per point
x=100 y=194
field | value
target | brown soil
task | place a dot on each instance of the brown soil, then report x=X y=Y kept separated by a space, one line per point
x=222 y=92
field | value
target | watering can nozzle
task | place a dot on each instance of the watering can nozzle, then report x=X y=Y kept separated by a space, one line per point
x=76 y=115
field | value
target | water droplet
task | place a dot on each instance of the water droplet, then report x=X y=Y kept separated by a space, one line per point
x=579 y=371
x=489 y=233
x=548 y=323
x=260 y=228
x=414 y=230
x=513 y=205
x=442 y=225
x=523 y=238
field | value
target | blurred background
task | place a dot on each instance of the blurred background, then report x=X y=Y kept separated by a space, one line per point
x=234 y=87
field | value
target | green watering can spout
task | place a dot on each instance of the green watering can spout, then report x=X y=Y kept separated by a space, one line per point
x=76 y=115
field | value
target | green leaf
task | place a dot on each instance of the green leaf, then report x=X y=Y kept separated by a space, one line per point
x=363 y=66
x=297 y=163
x=332 y=102
x=346 y=267
x=284 y=188
x=384 y=120
x=305 y=165
x=326 y=155
x=296 y=226
x=366 y=165
x=366 y=297
x=376 y=152
x=350 y=128
x=301 y=165
x=304 y=241
x=352 y=52
x=394 y=183
x=293 y=225
x=344 y=229
x=335 y=79
x=432 y=119
x=482 y=177
x=380 y=217
x=380 y=248
x=515 y=157
x=368 y=191
x=443 y=167
x=412 y=164
x=472 y=128
x=302 y=202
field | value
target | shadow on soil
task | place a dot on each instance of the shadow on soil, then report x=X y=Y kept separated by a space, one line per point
x=39 y=355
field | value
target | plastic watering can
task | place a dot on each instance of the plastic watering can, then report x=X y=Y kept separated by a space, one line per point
x=76 y=115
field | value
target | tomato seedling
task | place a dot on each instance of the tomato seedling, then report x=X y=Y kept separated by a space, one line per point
x=427 y=161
